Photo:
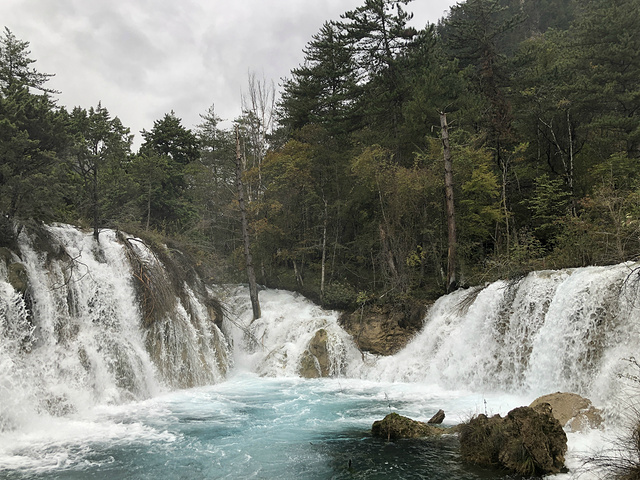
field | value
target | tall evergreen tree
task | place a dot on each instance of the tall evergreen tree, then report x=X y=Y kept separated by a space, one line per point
x=98 y=140
x=31 y=134
x=169 y=139
x=322 y=91
x=15 y=66
x=379 y=34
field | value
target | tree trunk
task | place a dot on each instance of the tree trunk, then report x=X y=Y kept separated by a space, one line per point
x=451 y=218
x=251 y=275
x=149 y=207
x=94 y=195
x=324 y=250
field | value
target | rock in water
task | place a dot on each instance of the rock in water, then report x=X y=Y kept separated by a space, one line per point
x=384 y=330
x=528 y=441
x=438 y=418
x=395 y=426
x=316 y=361
x=572 y=410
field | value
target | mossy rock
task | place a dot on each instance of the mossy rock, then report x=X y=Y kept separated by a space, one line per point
x=307 y=367
x=528 y=441
x=395 y=426
x=316 y=361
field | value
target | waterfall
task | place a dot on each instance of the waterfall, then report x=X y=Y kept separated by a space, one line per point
x=275 y=344
x=568 y=330
x=84 y=323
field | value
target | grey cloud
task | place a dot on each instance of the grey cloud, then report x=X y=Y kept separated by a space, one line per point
x=143 y=58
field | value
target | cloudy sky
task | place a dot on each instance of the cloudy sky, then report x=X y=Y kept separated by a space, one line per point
x=144 y=58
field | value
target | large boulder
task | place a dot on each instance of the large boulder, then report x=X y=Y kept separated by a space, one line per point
x=395 y=426
x=315 y=361
x=386 y=329
x=528 y=441
x=572 y=411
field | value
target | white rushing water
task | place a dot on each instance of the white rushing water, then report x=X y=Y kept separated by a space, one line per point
x=97 y=382
x=75 y=337
x=570 y=330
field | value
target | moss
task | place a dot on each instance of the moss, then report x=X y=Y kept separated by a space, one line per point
x=527 y=442
x=395 y=426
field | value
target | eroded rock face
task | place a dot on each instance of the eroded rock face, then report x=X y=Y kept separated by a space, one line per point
x=395 y=426
x=572 y=411
x=316 y=361
x=383 y=330
x=528 y=441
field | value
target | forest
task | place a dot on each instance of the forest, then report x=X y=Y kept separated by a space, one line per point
x=342 y=166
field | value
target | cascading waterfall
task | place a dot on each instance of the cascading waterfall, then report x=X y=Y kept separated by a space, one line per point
x=73 y=333
x=275 y=344
x=567 y=330
x=101 y=342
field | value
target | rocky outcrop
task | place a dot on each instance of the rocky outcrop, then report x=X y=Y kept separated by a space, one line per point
x=572 y=411
x=528 y=441
x=395 y=426
x=384 y=330
x=315 y=361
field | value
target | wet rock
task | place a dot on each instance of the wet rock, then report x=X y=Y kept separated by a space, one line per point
x=395 y=426
x=315 y=361
x=528 y=441
x=384 y=330
x=5 y=255
x=438 y=418
x=17 y=276
x=572 y=411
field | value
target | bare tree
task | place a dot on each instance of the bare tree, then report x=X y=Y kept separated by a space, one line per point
x=451 y=216
x=258 y=107
x=251 y=274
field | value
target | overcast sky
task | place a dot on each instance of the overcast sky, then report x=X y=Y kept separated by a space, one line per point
x=144 y=58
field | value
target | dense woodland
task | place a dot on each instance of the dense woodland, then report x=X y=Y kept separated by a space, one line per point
x=343 y=165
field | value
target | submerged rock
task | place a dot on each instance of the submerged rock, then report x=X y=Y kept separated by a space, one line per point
x=572 y=411
x=395 y=426
x=528 y=441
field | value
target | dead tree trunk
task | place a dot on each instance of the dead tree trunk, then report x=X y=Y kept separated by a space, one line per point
x=324 y=249
x=94 y=200
x=251 y=274
x=451 y=217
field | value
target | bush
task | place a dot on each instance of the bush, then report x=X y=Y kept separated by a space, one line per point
x=339 y=295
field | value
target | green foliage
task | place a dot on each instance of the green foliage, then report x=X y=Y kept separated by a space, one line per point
x=340 y=295
x=99 y=147
x=542 y=100
x=32 y=180
x=550 y=206
x=167 y=151
x=15 y=66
